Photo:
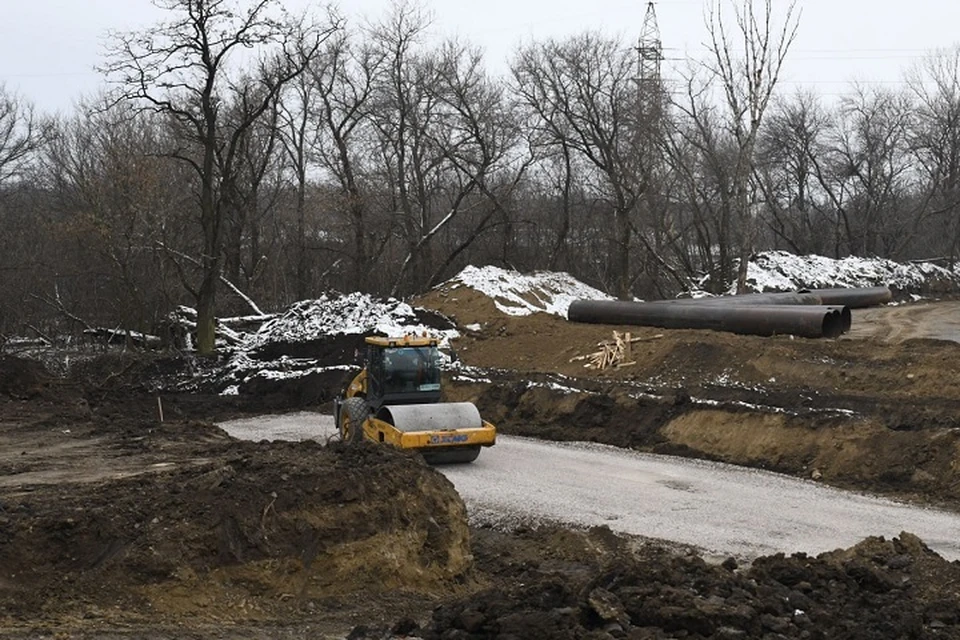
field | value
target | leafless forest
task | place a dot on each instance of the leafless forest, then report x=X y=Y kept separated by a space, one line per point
x=245 y=158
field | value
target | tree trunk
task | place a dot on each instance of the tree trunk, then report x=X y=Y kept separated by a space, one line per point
x=253 y=215
x=206 y=310
x=360 y=260
x=210 y=220
x=559 y=248
x=723 y=248
x=233 y=260
x=301 y=287
x=622 y=257
x=745 y=234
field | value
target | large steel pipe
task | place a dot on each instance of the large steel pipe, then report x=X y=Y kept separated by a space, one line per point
x=807 y=321
x=843 y=312
x=855 y=298
x=751 y=299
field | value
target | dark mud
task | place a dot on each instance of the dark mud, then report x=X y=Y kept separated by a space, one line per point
x=877 y=590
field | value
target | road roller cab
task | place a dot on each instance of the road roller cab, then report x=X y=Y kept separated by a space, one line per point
x=396 y=399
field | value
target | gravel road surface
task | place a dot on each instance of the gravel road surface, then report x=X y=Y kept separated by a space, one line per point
x=894 y=324
x=722 y=509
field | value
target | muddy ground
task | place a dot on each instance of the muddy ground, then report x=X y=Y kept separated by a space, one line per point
x=114 y=524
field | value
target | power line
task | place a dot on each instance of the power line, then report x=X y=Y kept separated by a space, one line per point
x=50 y=74
x=845 y=50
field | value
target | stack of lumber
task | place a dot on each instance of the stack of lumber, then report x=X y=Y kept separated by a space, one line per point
x=615 y=353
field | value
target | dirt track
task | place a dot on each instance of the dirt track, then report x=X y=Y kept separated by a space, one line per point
x=935 y=321
x=721 y=509
x=111 y=523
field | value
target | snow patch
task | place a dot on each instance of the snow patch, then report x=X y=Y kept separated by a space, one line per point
x=307 y=321
x=783 y=271
x=553 y=386
x=350 y=314
x=518 y=294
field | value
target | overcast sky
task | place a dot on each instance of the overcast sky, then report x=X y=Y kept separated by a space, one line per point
x=48 y=48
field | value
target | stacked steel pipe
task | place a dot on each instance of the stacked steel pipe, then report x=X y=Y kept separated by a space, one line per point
x=822 y=313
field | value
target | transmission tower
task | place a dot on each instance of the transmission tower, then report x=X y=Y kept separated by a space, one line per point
x=649 y=49
x=649 y=57
x=650 y=111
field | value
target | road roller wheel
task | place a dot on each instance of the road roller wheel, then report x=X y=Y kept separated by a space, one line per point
x=353 y=413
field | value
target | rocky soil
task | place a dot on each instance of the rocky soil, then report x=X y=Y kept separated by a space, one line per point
x=877 y=589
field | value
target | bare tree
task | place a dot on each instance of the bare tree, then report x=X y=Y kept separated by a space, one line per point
x=583 y=95
x=342 y=82
x=790 y=144
x=402 y=110
x=182 y=68
x=253 y=185
x=746 y=60
x=295 y=129
x=22 y=134
x=478 y=137
x=399 y=113
x=868 y=173
x=701 y=158
x=115 y=202
x=934 y=138
x=442 y=135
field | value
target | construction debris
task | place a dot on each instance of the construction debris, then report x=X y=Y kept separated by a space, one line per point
x=613 y=353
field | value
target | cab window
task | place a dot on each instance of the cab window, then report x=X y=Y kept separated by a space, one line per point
x=408 y=369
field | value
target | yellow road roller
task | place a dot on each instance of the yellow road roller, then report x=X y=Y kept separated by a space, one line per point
x=396 y=399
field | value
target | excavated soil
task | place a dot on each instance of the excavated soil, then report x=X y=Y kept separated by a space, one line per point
x=879 y=589
x=115 y=524
x=111 y=519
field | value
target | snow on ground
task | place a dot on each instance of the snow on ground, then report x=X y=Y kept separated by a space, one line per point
x=335 y=315
x=322 y=320
x=782 y=271
x=353 y=313
x=518 y=294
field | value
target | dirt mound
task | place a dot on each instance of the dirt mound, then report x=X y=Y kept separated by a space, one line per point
x=519 y=294
x=286 y=374
x=463 y=305
x=103 y=509
x=877 y=590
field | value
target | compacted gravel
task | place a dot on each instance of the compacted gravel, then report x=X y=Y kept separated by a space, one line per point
x=722 y=509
